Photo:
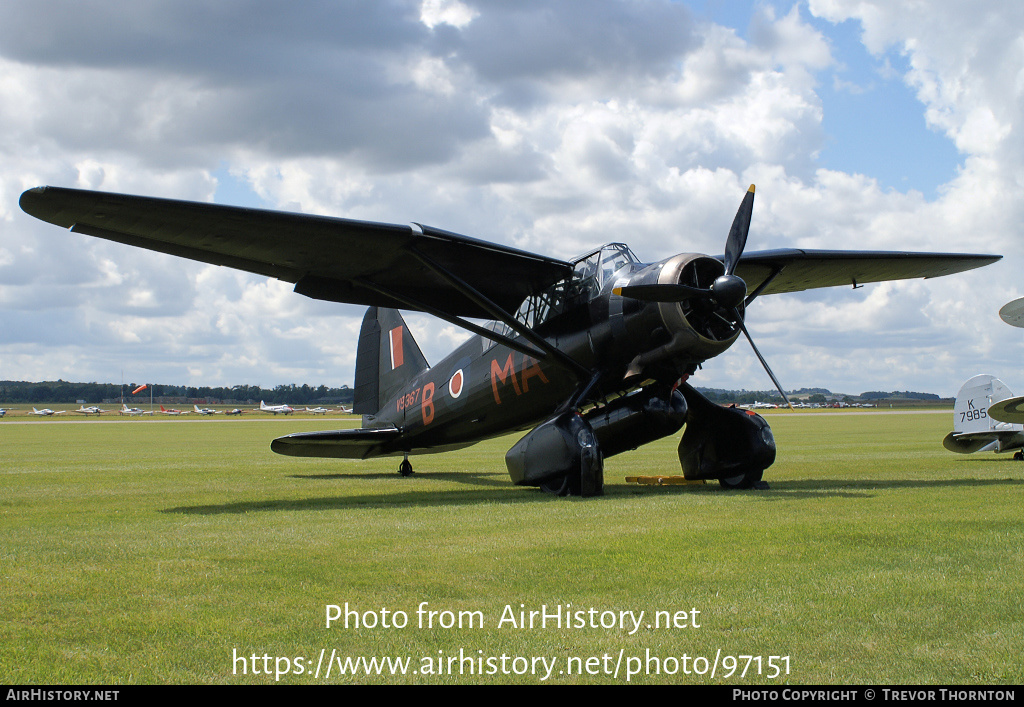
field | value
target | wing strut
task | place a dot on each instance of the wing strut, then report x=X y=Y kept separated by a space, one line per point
x=559 y=357
x=416 y=305
x=764 y=285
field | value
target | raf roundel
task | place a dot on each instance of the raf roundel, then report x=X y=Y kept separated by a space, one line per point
x=455 y=384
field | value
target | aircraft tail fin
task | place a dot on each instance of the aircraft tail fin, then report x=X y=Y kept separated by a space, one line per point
x=970 y=411
x=387 y=358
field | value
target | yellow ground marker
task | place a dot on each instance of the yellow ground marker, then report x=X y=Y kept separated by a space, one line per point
x=663 y=480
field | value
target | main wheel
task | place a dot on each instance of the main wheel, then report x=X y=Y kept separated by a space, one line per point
x=747 y=480
x=561 y=485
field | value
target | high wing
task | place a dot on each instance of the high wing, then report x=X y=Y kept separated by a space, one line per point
x=411 y=267
x=772 y=272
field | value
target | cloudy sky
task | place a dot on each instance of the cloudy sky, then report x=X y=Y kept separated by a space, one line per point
x=551 y=126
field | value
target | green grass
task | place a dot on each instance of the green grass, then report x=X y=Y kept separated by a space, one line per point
x=155 y=551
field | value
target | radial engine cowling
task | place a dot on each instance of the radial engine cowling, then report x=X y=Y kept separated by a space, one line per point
x=695 y=326
x=716 y=327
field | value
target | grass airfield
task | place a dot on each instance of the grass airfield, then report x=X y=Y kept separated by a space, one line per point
x=177 y=550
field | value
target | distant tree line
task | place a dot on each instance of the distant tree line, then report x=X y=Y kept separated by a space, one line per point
x=898 y=395
x=740 y=397
x=61 y=391
x=818 y=395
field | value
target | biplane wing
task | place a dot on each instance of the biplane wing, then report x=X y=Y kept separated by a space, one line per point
x=986 y=418
x=410 y=267
x=1010 y=410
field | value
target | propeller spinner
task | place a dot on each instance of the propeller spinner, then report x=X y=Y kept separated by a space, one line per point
x=728 y=290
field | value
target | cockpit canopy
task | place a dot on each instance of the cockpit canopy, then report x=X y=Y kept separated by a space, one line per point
x=592 y=272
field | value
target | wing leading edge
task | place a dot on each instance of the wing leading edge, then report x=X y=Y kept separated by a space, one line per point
x=341 y=260
x=772 y=272
x=413 y=267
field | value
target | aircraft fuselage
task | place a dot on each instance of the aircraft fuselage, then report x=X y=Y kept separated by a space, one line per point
x=485 y=389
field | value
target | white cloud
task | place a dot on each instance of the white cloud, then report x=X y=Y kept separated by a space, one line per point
x=451 y=12
x=551 y=127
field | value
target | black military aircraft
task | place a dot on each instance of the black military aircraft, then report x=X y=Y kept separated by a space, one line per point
x=591 y=355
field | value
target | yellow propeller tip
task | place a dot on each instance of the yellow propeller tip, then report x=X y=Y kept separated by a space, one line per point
x=617 y=291
x=751 y=190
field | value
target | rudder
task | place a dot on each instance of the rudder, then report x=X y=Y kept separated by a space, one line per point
x=387 y=357
x=970 y=411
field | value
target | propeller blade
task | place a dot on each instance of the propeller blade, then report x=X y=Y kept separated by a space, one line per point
x=661 y=293
x=738 y=233
x=764 y=363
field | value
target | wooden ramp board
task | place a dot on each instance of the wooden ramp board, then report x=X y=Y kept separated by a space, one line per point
x=664 y=481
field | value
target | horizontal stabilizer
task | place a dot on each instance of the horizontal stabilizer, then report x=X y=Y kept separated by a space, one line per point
x=971 y=442
x=967 y=443
x=337 y=444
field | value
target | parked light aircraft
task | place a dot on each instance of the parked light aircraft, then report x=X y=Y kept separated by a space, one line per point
x=234 y=411
x=317 y=410
x=591 y=354
x=172 y=411
x=204 y=411
x=760 y=406
x=283 y=409
x=91 y=410
x=125 y=410
x=47 y=412
x=3 y=411
x=978 y=419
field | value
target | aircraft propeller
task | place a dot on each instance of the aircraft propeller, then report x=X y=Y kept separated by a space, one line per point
x=727 y=291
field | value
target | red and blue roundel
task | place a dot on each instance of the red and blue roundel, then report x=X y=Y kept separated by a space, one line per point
x=455 y=384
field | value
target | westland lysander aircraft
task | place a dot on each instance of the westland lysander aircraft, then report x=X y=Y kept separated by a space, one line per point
x=986 y=418
x=591 y=354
